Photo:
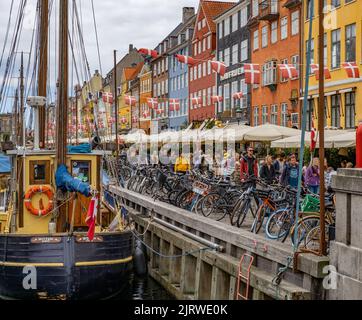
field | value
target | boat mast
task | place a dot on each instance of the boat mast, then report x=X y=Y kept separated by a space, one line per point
x=43 y=68
x=62 y=101
x=22 y=140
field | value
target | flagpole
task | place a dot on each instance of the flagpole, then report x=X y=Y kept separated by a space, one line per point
x=322 y=244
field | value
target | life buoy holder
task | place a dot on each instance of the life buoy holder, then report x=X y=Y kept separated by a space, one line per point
x=28 y=200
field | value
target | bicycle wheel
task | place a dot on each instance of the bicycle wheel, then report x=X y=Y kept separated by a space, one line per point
x=186 y=200
x=275 y=224
x=259 y=218
x=213 y=206
x=304 y=226
x=313 y=238
x=244 y=210
x=236 y=211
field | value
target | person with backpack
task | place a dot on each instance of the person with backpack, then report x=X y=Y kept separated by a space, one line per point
x=267 y=172
x=312 y=176
x=290 y=174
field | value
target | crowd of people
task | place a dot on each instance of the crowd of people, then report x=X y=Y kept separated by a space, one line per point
x=240 y=167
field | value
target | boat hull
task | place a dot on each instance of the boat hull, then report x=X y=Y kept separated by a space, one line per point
x=65 y=267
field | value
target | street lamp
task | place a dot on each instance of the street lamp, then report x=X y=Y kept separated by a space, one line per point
x=239 y=114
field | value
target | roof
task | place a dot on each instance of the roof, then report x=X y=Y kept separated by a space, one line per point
x=236 y=5
x=212 y=9
x=132 y=73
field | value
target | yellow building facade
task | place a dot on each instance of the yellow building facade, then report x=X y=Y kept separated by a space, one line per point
x=342 y=43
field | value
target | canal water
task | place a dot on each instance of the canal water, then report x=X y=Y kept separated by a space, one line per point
x=144 y=288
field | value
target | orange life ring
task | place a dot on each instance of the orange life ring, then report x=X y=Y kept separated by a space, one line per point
x=39 y=189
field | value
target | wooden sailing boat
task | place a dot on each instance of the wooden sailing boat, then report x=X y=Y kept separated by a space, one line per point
x=44 y=230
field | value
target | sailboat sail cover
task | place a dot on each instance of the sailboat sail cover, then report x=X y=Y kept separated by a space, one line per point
x=66 y=182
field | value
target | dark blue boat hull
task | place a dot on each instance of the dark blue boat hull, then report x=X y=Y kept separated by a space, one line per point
x=70 y=268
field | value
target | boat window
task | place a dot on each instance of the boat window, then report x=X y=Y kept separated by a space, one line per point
x=39 y=172
x=81 y=170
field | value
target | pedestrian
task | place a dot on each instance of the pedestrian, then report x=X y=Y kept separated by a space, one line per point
x=236 y=175
x=279 y=164
x=248 y=166
x=312 y=176
x=267 y=172
x=290 y=174
x=182 y=164
x=330 y=172
x=344 y=164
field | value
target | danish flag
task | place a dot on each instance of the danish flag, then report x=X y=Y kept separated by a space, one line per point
x=174 y=104
x=146 y=114
x=252 y=73
x=134 y=119
x=159 y=111
x=107 y=97
x=351 y=69
x=216 y=99
x=148 y=52
x=315 y=69
x=92 y=217
x=218 y=67
x=111 y=120
x=124 y=120
x=196 y=101
x=313 y=137
x=238 y=96
x=152 y=103
x=130 y=100
x=289 y=71
x=185 y=59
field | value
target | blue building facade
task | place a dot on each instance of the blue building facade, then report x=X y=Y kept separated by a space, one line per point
x=178 y=73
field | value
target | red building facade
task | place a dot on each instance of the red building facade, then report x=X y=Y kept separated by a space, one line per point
x=202 y=80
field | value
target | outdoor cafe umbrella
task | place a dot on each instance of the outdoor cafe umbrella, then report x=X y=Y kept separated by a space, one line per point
x=268 y=133
x=136 y=136
x=345 y=140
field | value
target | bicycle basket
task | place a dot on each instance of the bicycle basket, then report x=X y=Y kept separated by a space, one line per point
x=262 y=194
x=310 y=204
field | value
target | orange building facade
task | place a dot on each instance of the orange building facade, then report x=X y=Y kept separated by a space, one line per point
x=145 y=77
x=275 y=32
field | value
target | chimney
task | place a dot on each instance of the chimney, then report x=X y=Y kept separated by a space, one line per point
x=130 y=48
x=187 y=13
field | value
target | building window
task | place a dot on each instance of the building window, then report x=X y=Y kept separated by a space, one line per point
x=235 y=22
x=191 y=74
x=255 y=8
x=203 y=23
x=209 y=42
x=335 y=111
x=204 y=44
x=227 y=57
x=256 y=40
x=199 y=46
x=274 y=32
x=220 y=30
x=336 y=48
x=295 y=63
x=284 y=28
x=235 y=54
x=310 y=114
x=234 y=89
x=208 y=68
x=199 y=67
x=284 y=120
x=204 y=69
x=311 y=53
x=220 y=104
x=244 y=90
x=350 y=110
x=265 y=115
x=256 y=116
x=351 y=43
x=325 y=43
x=243 y=17
x=270 y=73
x=295 y=23
x=227 y=96
x=274 y=114
x=264 y=36
x=335 y=3
x=227 y=26
x=284 y=61
x=309 y=8
x=244 y=50
x=195 y=73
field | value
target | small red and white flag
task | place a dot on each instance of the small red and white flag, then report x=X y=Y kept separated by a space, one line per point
x=159 y=111
x=238 y=96
x=196 y=101
x=351 y=69
x=216 y=99
x=124 y=120
x=145 y=114
x=107 y=97
x=315 y=69
x=148 y=52
x=134 y=119
x=174 y=104
x=313 y=137
x=218 y=67
x=252 y=73
x=92 y=217
x=130 y=100
x=111 y=120
x=152 y=103
x=289 y=71
x=185 y=59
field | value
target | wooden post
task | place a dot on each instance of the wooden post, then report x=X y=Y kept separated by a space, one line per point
x=323 y=248
x=116 y=101
x=43 y=67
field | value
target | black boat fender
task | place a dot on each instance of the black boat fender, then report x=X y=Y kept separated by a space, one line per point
x=140 y=259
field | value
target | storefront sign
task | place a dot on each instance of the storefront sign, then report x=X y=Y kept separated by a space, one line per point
x=232 y=74
x=46 y=240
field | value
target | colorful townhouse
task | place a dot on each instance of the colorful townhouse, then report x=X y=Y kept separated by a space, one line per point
x=145 y=78
x=202 y=80
x=135 y=92
x=275 y=31
x=233 y=48
x=342 y=43
x=179 y=72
